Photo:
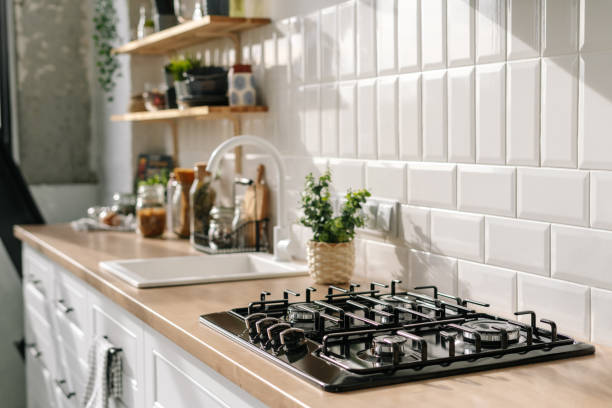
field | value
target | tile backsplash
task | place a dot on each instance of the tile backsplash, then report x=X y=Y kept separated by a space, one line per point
x=489 y=120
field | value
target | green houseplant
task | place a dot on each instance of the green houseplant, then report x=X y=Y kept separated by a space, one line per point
x=105 y=36
x=331 y=252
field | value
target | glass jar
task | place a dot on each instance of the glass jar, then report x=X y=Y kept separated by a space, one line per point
x=180 y=202
x=201 y=200
x=124 y=203
x=150 y=210
x=220 y=229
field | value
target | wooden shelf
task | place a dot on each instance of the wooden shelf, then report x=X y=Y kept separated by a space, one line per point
x=200 y=112
x=190 y=33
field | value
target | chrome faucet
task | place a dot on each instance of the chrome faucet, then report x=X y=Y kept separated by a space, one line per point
x=281 y=231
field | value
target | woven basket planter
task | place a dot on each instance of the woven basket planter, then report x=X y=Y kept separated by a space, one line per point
x=331 y=263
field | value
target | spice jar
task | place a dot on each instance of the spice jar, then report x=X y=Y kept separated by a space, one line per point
x=150 y=210
x=180 y=202
x=220 y=230
x=201 y=200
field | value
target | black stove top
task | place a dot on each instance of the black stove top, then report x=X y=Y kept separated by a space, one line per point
x=365 y=338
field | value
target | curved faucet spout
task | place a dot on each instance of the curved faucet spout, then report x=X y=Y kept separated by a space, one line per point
x=280 y=231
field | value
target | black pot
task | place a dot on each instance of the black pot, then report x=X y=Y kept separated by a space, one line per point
x=216 y=7
x=215 y=84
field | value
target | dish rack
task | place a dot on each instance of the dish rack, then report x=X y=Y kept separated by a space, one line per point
x=239 y=238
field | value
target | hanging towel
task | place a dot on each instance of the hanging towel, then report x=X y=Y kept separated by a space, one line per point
x=105 y=380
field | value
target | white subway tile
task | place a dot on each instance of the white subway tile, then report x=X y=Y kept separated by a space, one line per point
x=347 y=131
x=433 y=34
x=595 y=27
x=414 y=226
x=387 y=118
x=361 y=267
x=523 y=29
x=490 y=31
x=312 y=125
x=366 y=119
x=296 y=38
x=283 y=56
x=523 y=112
x=408 y=35
x=601 y=324
x=488 y=284
x=311 y=47
x=410 y=137
x=601 y=199
x=457 y=234
x=329 y=44
x=366 y=41
x=269 y=49
x=581 y=255
x=432 y=185
x=595 y=107
x=347 y=62
x=435 y=142
x=386 y=262
x=560 y=111
x=329 y=120
x=299 y=167
x=347 y=174
x=491 y=114
x=565 y=303
x=461 y=115
x=429 y=269
x=486 y=189
x=553 y=195
x=559 y=26
x=386 y=32
x=460 y=30
x=518 y=244
x=386 y=180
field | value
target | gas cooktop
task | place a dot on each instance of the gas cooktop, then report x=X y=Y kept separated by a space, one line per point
x=365 y=338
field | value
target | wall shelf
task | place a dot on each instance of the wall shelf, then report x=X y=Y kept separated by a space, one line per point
x=190 y=33
x=200 y=112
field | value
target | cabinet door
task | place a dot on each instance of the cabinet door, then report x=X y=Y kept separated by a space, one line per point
x=176 y=379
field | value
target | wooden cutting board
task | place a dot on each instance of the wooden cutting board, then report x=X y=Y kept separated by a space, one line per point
x=256 y=204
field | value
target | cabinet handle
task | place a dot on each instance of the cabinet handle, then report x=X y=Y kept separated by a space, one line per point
x=32 y=279
x=34 y=352
x=60 y=385
x=62 y=306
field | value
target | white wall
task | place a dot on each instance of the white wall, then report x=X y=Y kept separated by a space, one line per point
x=64 y=202
x=487 y=119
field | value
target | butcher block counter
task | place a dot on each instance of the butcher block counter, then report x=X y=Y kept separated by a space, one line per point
x=174 y=311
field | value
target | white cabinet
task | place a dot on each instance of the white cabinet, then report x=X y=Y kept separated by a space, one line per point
x=62 y=317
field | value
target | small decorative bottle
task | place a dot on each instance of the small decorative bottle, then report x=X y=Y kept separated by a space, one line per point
x=145 y=27
x=241 y=86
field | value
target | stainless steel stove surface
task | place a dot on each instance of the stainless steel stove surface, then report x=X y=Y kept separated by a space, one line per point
x=365 y=338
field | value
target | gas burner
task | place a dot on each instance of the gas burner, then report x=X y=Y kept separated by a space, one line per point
x=383 y=345
x=491 y=332
x=357 y=338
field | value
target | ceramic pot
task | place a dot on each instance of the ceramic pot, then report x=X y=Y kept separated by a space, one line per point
x=241 y=86
x=330 y=263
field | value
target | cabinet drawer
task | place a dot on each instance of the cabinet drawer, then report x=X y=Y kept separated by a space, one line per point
x=38 y=271
x=39 y=340
x=40 y=392
x=71 y=337
x=74 y=371
x=64 y=395
x=71 y=298
x=35 y=299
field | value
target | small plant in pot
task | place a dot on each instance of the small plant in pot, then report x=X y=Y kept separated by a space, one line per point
x=331 y=252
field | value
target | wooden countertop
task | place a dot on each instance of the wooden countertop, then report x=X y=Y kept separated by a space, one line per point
x=174 y=311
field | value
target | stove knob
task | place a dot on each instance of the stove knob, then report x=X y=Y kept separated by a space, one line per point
x=262 y=327
x=293 y=339
x=250 y=322
x=274 y=333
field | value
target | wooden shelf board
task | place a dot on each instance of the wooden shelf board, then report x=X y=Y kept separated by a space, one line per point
x=188 y=34
x=202 y=112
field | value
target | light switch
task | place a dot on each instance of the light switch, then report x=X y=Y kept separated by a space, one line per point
x=384 y=217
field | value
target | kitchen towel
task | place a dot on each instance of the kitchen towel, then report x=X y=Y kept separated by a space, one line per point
x=105 y=380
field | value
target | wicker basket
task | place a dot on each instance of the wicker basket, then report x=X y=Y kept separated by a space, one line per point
x=331 y=263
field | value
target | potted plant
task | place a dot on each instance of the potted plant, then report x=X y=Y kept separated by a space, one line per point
x=331 y=252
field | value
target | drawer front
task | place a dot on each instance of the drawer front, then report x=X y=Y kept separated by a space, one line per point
x=64 y=395
x=74 y=371
x=35 y=299
x=39 y=340
x=38 y=271
x=72 y=337
x=71 y=299
x=39 y=384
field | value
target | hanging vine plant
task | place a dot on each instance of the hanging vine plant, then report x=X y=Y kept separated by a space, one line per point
x=104 y=37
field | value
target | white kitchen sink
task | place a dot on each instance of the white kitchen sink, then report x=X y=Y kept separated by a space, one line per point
x=188 y=270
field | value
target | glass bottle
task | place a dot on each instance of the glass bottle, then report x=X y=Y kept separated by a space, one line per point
x=145 y=26
x=150 y=210
x=171 y=187
x=201 y=200
x=198 y=14
x=180 y=202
